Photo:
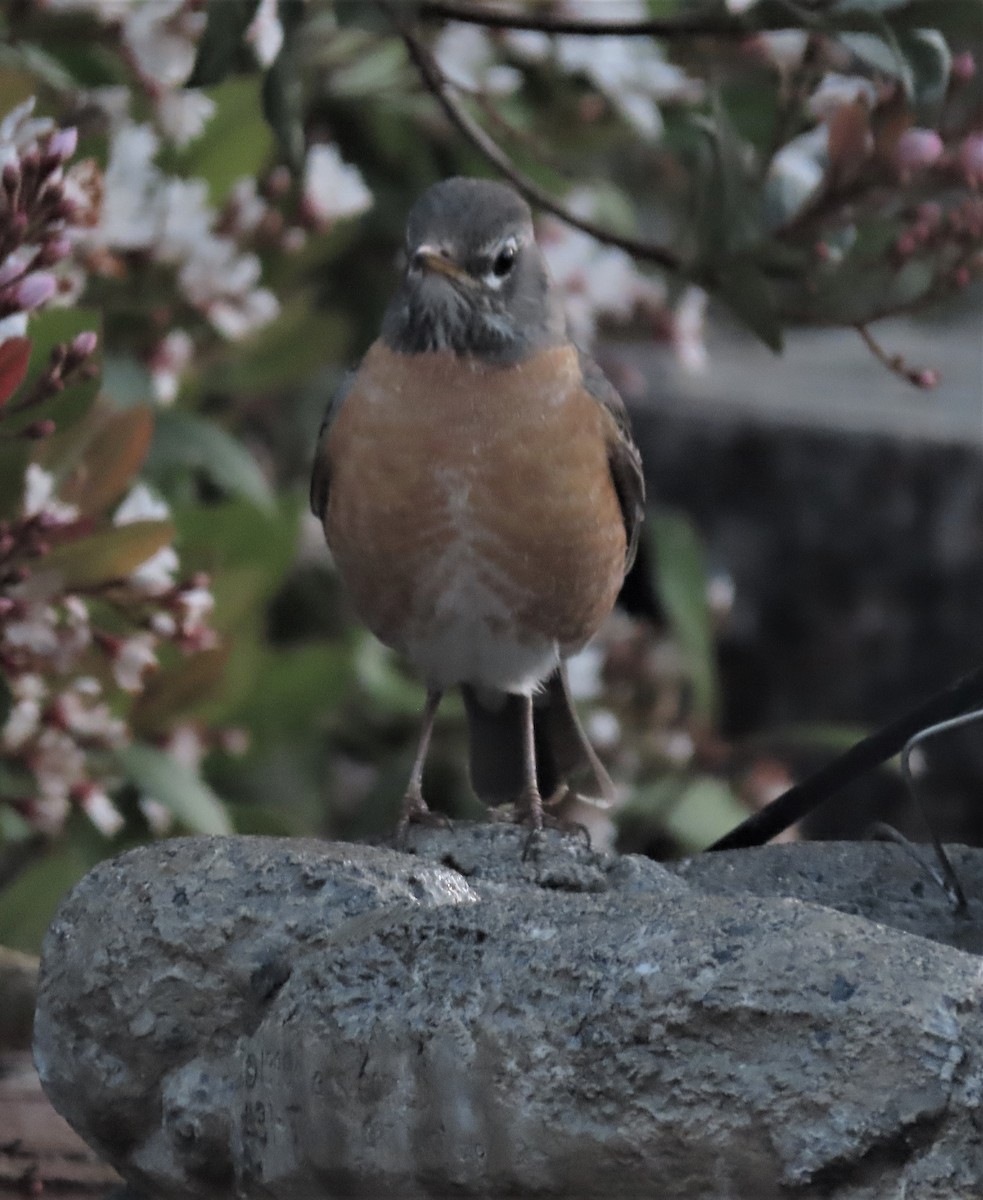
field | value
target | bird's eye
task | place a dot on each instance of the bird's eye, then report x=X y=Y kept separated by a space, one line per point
x=504 y=260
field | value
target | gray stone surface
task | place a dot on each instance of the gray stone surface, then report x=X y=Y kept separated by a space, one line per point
x=252 y=1017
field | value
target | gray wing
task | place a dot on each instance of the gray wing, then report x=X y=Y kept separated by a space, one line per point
x=321 y=475
x=624 y=460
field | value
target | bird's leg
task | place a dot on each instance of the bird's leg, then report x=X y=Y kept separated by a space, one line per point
x=414 y=807
x=530 y=806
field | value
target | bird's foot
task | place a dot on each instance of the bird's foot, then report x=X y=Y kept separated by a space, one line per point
x=414 y=811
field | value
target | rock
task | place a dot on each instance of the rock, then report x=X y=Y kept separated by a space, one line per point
x=251 y=1017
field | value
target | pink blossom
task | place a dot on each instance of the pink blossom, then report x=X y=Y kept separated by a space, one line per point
x=63 y=142
x=963 y=66
x=971 y=159
x=35 y=290
x=917 y=149
x=84 y=343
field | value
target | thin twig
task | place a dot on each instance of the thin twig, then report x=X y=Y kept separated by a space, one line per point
x=864 y=756
x=955 y=895
x=715 y=26
x=920 y=377
x=952 y=879
x=435 y=83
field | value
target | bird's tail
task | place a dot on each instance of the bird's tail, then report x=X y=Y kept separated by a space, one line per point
x=563 y=753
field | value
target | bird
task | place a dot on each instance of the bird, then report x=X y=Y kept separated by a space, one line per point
x=482 y=495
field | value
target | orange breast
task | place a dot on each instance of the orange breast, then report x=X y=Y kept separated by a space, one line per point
x=498 y=472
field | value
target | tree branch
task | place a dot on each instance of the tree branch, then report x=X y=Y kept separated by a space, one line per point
x=707 y=26
x=435 y=83
x=868 y=753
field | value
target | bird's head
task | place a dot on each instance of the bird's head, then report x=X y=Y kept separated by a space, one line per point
x=475 y=282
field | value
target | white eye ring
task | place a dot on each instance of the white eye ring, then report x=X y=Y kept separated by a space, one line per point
x=502 y=265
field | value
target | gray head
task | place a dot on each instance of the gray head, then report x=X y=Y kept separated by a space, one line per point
x=475 y=280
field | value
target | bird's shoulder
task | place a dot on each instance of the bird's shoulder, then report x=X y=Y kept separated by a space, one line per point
x=624 y=458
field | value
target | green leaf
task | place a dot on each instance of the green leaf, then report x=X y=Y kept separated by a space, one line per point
x=237 y=141
x=299 y=683
x=174 y=785
x=882 y=53
x=109 y=460
x=177 y=692
x=744 y=288
x=108 y=554
x=377 y=671
x=706 y=810
x=222 y=46
x=681 y=583
x=956 y=20
x=29 y=903
x=929 y=61
x=288 y=351
x=184 y=440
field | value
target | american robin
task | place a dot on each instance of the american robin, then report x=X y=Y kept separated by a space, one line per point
x=481 y=492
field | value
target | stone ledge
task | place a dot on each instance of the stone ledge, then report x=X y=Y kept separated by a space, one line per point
x=253 y=1017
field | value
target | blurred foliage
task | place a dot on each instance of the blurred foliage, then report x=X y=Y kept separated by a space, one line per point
x=719 y=150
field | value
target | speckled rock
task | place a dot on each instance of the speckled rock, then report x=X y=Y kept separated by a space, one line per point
x=250 y=1017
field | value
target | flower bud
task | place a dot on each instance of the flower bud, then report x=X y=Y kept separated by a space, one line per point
x=83 y=344
x=35 y=290
x=917 y=149
x=39 y=429
x=63 y=142
x=54 y=250
x=924 y=378
x=971 y=159
x=963 y=66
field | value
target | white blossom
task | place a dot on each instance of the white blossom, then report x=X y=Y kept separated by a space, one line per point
x=161 y=38
x=19 y=130
x=101 y=811
x=14 y=325
x=171 y=219
x=603 y=729
x=89 y=718
x=331 y=187
x=466 y=56
x=837 y=90
x=265 y=33
x=156 y=574
x=59 y=764
x=688 y=320
x=584 y=673
x=35 y=630
x=183 y=114
x=134 y=657
x=39 y=499
x=158 y=816
x=141 y=505
x=595 y=280
x=167 y=363
x=185 y=745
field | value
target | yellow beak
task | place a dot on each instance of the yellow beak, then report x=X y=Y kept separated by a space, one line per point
x=432 y=259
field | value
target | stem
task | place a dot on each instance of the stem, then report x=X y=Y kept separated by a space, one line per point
x=435 y=83
x=713 y=26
